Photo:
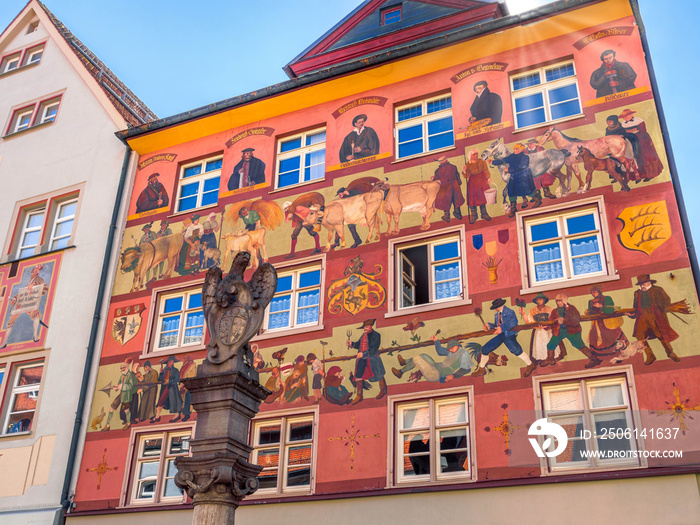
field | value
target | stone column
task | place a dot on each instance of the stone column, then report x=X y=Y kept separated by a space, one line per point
x=226 y=394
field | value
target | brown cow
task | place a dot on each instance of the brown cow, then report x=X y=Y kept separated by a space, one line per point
x=416 y=196
x=359 y=209
x=149 y=255
x=592 y=164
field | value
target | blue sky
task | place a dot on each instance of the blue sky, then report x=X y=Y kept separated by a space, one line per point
x=178 y=55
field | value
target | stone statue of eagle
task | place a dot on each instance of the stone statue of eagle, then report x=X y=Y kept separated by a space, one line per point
x=234 y=309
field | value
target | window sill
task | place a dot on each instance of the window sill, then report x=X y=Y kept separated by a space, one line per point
x=298 y=185
x=286 y=333
x=148 y=505
x=268 y=495
x=27 y=130
x=10 y=261
x=192 y=211
x=426 y=154
x=572 y=471
x=17 y=435
x=428 y=483
x=413 y=310
x=172 y=351
x=18 y=69
x=569 y=283
x=548 y=123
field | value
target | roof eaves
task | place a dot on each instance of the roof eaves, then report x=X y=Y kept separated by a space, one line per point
x=355 y=65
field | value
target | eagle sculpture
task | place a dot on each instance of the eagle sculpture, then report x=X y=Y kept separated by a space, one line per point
x=234 y=309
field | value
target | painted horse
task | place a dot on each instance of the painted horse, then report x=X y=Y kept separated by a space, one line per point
x=547 y=161
x=607 y=147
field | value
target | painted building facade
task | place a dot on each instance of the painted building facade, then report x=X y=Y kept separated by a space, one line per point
x=475 y=224
x=55 y=214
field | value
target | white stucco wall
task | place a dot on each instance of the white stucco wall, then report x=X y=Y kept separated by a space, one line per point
x=78 y=148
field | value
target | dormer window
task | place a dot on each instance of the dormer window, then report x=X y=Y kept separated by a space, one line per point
x=391 y=15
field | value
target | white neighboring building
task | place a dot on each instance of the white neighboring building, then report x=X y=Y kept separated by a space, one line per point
x=62 y=169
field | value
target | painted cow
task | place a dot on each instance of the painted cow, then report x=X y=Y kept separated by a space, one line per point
x=416 y=196
x=149 y=255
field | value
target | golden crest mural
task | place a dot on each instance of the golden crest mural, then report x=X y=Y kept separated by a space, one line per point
x=357 y=290
x=647 y=227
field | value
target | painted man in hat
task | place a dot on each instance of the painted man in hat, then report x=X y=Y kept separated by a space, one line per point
x=457 y=363
x=504 y=322
x=148 y=389
x=450 y=193
x=153 y=196
x=125 y=388
x=520 y=183
x=368 y=365
x=361 y=142
x=169 y=398
x=546 y=180
x=567 y=325
x=542 y=334
x=248 y=172
x=164 y=231
x=297 y=212
x=187 y=371
x=650 y=304
x=612 y=76
x=486 y=104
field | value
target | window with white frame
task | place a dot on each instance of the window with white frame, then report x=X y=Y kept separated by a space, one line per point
x=565 y=246
x=180 y=320
x=432 y=440
x=63 y=224
x=33 y=55
x=599 y=405
x=297 y=300
x=35 y=233
x=429 y=272
x=23 y=395
x=546 y=94
x=30 y=235
x=301 y=158
x=199 y=184
x=153 y=474
x=283 y=447
x=34 y=115
x=424 y=126
x=10 y=62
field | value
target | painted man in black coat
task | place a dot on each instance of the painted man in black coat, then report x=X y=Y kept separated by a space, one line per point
x=612 y=76
x=153 y=196
x=486 y=104
x=248 y=172
x=368 y=366
x=361 y=142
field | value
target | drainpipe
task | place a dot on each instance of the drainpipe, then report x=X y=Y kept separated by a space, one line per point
x=688 y=237
x=94 y=332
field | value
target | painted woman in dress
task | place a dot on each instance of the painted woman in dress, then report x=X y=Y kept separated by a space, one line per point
x=606 y=338
x=541 y=335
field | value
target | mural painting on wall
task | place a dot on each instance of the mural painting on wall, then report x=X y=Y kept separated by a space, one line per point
x=153 y=198
x=646 y=227
x=361 y=144
x=678 y=410
x=352 y=437
x=139 y=395
x=249 y=171
x=357 y=290
x=256 y=217
x=486 y=109
x=127 y=322
x=101 y=469
x=27 y=303
x=505 y=428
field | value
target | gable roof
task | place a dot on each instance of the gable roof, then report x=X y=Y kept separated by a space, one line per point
x=362 y=33
x=112 y=92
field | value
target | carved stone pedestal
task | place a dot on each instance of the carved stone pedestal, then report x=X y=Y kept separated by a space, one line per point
x=226 y=394
x=218 y=475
